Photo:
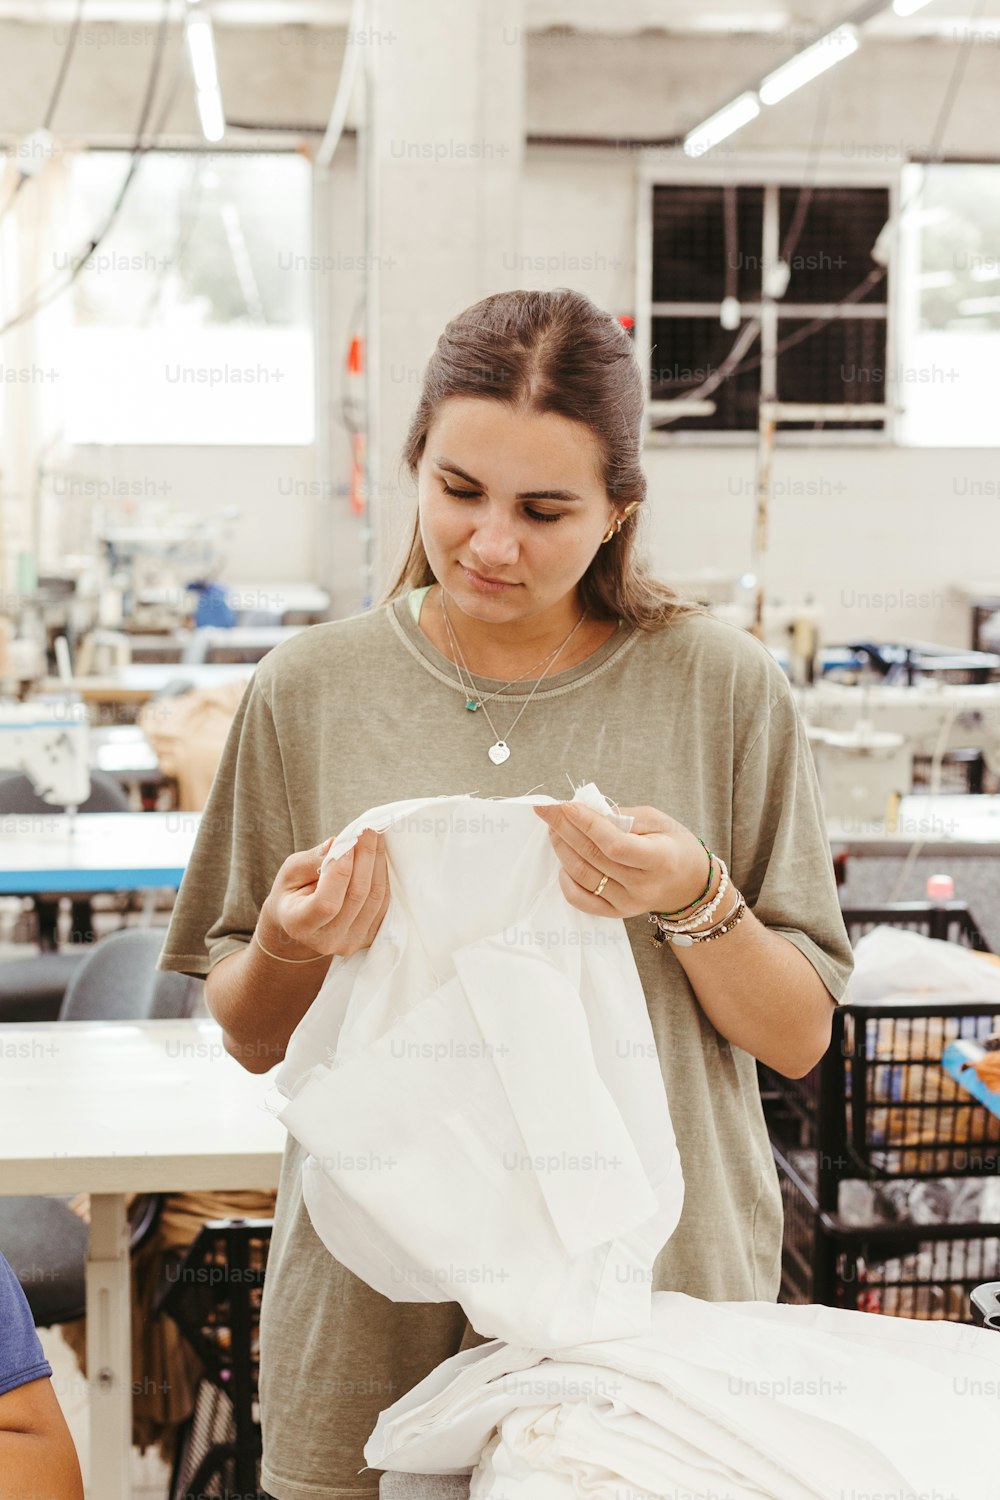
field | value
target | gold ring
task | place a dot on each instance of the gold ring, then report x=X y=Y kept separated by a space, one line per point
x=604 y=881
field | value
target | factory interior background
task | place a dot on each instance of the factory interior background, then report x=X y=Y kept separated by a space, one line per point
x=231 y=232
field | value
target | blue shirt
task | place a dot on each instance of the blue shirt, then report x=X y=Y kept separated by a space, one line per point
x=21 y=1355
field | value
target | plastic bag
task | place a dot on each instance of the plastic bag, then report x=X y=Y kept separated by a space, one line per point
x=890 y=961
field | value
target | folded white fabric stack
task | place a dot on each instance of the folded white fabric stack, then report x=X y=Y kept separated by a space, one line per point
x=720 y=1401
x=479 y=1091
x=482 y=1102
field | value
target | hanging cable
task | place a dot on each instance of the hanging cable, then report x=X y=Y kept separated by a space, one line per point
x=52 y=104
x=42 y=296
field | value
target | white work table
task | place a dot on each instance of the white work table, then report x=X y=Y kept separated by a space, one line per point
x=95 y=851
x=959 y=822
x=117 y=1107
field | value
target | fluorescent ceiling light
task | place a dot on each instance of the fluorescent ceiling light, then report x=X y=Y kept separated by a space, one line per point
x=908 y=7
x=724 y=122
x=806 y=65
x=201 y=49
x=213 y=121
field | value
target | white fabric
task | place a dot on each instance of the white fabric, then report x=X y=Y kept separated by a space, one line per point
x=489 y=1022
x=479 y=1091
x=733 y=1401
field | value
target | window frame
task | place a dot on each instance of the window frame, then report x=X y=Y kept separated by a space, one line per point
x=772 y=170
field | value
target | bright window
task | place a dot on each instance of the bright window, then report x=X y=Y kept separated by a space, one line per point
x=192 y=321
x=950 y=305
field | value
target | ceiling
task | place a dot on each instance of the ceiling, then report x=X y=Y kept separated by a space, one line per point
x=946 y=18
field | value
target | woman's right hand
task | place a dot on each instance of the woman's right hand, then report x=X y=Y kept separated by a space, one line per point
x=339 y=912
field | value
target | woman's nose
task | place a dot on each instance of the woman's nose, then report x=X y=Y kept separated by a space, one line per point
x=494 y=544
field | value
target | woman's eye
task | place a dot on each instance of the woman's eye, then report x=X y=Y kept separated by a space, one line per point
x=536 y=515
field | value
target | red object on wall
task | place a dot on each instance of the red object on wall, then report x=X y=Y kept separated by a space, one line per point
x=355 y=369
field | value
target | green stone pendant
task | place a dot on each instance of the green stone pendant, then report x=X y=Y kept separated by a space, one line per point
x=471 y=705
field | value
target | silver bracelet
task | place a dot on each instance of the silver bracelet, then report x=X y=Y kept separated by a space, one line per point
x=278 y=958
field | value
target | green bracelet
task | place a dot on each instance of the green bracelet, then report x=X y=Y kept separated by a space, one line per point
x=669 y=915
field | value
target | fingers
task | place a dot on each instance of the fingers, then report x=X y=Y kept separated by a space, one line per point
x=302 y=867
x=351 y=889
x=368 y=885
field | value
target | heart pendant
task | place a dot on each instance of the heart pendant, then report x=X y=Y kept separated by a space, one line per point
x=498 y=753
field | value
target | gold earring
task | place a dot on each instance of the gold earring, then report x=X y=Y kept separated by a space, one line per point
x=617 y=526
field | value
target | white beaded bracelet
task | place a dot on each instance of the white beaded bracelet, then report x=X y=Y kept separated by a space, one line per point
x=704 y=913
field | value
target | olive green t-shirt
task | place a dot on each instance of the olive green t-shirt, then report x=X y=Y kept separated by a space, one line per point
x=697 y=720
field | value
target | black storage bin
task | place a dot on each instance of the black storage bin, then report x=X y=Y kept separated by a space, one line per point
x=879 y=1113
x=791 y=1104
x=213 y=1293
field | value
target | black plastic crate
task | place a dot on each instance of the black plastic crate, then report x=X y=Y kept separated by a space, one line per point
x=791 y=1105
x=901 y=1270
x=213 y=1293
x=886 y=1107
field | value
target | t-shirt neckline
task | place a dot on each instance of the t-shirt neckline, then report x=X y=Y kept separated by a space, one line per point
x=439 y=664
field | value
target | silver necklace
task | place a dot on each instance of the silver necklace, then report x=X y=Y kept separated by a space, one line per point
x=500 y=751
x=473 y=701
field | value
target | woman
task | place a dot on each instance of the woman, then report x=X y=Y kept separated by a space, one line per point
x=522 y=648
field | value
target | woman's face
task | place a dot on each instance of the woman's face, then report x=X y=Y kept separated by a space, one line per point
x=513 y=496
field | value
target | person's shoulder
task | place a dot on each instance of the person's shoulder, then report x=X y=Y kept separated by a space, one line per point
x=325 y=648
x=21 y=1356
x=712 y=649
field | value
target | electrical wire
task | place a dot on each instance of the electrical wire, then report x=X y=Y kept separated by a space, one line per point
x=53 y=101
x=42 y=296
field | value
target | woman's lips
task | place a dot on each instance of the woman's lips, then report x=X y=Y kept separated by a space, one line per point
x=486 y=585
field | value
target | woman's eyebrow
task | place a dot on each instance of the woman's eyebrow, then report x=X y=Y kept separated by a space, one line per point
x=566 y=495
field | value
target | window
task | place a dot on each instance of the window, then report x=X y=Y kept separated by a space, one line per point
x=950 y=304
x=191 y=322
x=713 y=248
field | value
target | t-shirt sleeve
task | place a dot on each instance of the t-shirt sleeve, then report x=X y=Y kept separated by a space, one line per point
x=244 y=837
x=22 y=1358
x=781 y=857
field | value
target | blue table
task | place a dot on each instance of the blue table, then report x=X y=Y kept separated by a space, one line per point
x=94 y=852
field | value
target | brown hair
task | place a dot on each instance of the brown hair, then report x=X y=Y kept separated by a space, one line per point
x=553 y=352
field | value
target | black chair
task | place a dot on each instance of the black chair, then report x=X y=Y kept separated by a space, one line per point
x=42 y=1238
x=31 y=989
x=18 y=795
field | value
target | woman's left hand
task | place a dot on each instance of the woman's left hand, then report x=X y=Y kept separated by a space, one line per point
x=658 y=866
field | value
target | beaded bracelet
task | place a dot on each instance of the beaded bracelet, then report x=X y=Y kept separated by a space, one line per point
x=736 y=916
x=681 y=910
x=704 y=912
x=663 y=935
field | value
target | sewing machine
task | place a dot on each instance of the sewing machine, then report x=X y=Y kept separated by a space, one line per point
x=48 y=741
x=864 y=738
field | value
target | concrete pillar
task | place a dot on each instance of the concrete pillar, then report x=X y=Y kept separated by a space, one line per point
x=448 y=146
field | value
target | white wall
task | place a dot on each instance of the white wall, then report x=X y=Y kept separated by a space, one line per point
x=847 y=521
